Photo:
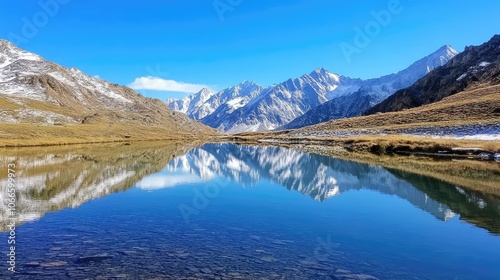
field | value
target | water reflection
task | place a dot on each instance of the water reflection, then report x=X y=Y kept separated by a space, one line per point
x=322 y=177
x=58 y=178
x=339 y=220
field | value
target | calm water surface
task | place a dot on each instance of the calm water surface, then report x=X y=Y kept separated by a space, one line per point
x=223 y=211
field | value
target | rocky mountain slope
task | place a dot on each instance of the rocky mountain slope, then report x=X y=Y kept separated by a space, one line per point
x=373 y=91
x=280 y=104
x=475 y=67
x=38 y=92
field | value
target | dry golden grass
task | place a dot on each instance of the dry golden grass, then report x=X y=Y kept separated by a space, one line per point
x=17 y=135
x=102 y=126
x=418 y=144
x=374 y=143
x=8 y=105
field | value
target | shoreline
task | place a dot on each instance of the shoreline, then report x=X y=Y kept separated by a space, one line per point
x=385 y=145
x=374 y=144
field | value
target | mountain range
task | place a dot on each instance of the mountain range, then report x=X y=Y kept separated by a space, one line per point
x=313 y=98
x=37 y=92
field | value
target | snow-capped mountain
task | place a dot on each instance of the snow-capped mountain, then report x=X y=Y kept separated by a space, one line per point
x=41 y=92
x=373 y=91
x=281 y=103
x=210 y=105
x=194 y=106
x=320 y=94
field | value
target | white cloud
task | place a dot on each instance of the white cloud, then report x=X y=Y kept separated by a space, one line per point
x=159 y=84
x=156 y=182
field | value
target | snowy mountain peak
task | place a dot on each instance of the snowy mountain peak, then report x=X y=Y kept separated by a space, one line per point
x=448 y=50
x=206 y=93
x=442 y=55
x=244 y=84
x=10 y=53
x=321 y=71
x=4 y=43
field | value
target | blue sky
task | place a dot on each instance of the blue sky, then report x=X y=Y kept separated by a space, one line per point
x=219 y=43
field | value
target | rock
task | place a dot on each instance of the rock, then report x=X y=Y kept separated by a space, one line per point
x=32 y=264
x=485 y=155
x=53 y=264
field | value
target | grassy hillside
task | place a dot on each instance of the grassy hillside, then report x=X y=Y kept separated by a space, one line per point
x=154 y=123
x=472 y=106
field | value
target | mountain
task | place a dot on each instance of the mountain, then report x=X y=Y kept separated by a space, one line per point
x=210 y=107
x=476 y=66
x=282 y=103
x=373 y=91
x=250 y=107
x=38 y=92
x=320 y=95
x=194 y=106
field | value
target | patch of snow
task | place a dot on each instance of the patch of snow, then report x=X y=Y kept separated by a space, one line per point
x=334 y=77
x=236 y=103
x=484 y=64
x=462 y=77
x=486 y=137
x=49 y=118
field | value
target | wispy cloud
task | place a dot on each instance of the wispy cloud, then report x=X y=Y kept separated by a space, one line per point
x=159 y=84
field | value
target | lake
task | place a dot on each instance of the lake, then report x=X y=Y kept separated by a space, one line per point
x=226 y=211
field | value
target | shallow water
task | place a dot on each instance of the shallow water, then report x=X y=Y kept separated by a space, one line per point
x=223 y=211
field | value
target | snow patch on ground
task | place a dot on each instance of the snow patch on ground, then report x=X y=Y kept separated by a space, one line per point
x=477 y=131
x=462 y=77
x=486 y=137
x=37 y=116
x=484 y=64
